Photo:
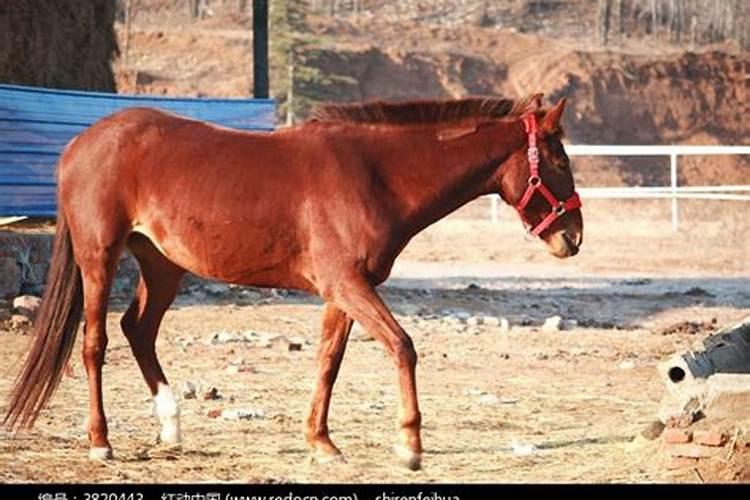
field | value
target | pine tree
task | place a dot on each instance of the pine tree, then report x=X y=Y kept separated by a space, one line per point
x=292 y=43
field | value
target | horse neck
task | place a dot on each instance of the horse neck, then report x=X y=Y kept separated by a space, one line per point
x=434 y=177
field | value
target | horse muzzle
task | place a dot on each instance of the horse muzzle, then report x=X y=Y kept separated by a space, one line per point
x=563 y=243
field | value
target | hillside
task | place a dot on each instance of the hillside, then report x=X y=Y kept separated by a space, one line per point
x=635 y=90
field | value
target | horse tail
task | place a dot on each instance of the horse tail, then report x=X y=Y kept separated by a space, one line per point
x=54 y=333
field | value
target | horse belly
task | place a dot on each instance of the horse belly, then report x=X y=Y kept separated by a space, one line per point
x=240 y=254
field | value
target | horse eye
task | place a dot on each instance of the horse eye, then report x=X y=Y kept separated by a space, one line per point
x=563 y=163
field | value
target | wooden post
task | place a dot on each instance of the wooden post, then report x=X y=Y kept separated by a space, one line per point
x=260 y=49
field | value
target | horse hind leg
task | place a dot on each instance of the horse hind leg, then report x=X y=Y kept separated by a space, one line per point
x=98 y=263
x=159 y=281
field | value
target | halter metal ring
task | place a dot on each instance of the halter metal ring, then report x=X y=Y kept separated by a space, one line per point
x=535 y=180
x=560 y=208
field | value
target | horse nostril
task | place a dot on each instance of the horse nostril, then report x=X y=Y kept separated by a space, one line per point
x=572 y=244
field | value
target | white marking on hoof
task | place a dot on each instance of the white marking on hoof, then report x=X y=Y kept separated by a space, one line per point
x=408 y=458
x=100 y=454
x=167 y=411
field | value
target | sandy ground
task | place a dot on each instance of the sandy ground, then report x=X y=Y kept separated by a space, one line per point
x=523 y=405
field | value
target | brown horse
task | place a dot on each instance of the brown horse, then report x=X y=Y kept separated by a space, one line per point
x=324 y=207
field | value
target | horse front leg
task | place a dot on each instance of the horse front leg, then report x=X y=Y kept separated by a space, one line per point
x=334 y=335
x=358 y=299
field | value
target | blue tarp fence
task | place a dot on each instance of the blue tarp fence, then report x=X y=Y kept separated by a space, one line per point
x=37 y=123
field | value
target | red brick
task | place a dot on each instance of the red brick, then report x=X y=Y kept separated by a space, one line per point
x=690 y=450
x=679 y=422
x=710 y=438
x=682 y=463
x=676 y=436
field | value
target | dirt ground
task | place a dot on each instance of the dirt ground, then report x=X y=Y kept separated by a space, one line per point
x=523 y=405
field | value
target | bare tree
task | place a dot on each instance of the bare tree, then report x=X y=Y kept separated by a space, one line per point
x=603 y=15
x=130 y=12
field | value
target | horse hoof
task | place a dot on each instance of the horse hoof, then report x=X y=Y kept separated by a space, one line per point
x=408 y=458
x=169 y=439
x=100 y=454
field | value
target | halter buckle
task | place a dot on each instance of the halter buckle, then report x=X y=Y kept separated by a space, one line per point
x=533 y=155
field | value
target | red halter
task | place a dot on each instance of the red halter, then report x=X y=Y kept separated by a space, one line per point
x=535 y=184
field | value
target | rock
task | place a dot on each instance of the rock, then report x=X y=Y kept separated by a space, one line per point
x=681 y=421
x=523 y=449
x=294 y=346
x=552 y=324
x=494 y=400
x=462 y=316
x=475 y=321
x=375 y=406
x=216 y=289
x=10 y=277
x=557 y=323
x=27 y=305
x=184 y=343
x=489 y=399
x=250 y=295
x=653 y=430
x=19 y=322
x=626 y=365
x=225 y=337
x=697 y=291
x=473 y=392
x=727 y=396
x=188 y=390
x=242 y=414
x=493 y=321
x=215 y=412
x=682 y=409
x=209 y=393
x=504 y=325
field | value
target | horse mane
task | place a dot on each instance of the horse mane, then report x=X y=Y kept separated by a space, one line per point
x=426 y=111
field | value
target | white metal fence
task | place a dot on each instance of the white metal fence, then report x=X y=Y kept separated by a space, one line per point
x=673 y=191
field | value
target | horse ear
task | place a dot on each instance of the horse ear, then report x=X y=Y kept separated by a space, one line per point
x=537 y=100
x=551 y=121
x=530 y=104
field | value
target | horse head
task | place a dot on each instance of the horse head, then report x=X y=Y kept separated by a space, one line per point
x=538 y=182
